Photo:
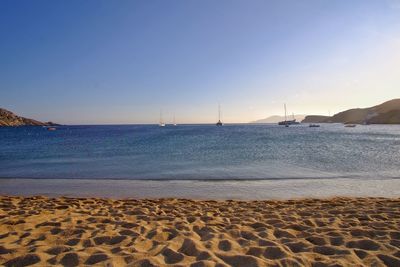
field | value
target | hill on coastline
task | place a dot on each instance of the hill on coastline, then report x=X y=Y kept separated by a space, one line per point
x=385 y=113
x=315 y=119
x=7 y=118
x=277 y=118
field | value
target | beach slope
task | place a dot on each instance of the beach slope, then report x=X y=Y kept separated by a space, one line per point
x=42 y=231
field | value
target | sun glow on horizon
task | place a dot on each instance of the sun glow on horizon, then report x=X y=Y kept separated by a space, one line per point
x=122 y=62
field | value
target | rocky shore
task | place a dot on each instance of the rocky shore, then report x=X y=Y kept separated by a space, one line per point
x=7 y=118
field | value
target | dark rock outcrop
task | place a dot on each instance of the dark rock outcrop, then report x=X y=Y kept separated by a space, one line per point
x=7 y=118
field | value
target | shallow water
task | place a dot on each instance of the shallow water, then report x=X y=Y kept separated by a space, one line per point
x=201 y=152
x=195 y=189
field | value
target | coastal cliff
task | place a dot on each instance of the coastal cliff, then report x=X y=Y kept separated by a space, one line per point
x=7 y=118
x=385 y=113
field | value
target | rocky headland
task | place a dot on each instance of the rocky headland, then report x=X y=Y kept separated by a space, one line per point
x=7 y=118
x=385 y=113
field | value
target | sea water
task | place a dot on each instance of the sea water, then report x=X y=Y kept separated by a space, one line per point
x=201 y=152
x=201 y=161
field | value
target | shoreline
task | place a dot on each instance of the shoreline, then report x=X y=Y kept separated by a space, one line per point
x=353 y=231
x=203 y=189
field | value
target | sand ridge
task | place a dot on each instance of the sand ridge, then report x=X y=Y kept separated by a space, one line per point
x=41 y=231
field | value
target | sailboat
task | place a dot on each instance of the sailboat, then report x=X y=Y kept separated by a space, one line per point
x=219 y=123
x=161 y=123
x=287 y=122
x=174 y=122
x=293 y=121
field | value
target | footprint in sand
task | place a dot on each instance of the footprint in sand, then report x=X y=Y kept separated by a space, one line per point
x=364 y=244
x=25 y=260
x=189 y=248
x=225 y=245
x=70 y=260
x=96 y=258
x=171 y=256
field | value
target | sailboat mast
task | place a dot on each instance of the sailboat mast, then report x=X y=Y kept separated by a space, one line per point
x=219 y=123
x=285 y=112
x=219 y=112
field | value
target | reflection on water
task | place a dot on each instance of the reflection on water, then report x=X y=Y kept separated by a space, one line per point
x=200 y=152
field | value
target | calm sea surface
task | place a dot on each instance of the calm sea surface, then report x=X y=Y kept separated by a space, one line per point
x=201 y=152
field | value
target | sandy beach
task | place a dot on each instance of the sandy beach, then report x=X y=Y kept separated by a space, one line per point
x=43 y=231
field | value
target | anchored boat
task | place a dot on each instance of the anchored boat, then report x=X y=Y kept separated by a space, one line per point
x=219 y=123
x=287 y=122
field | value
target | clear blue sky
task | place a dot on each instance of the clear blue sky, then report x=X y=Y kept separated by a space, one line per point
x=122 y=61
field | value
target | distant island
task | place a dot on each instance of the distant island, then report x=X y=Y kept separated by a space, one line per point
x=277 y=118
x=7 y=118
x=385 y=113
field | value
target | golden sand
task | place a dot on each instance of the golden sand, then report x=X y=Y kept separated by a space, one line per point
x=179 y=232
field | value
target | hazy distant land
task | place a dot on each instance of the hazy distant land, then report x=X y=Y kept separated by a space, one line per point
x=277 y=118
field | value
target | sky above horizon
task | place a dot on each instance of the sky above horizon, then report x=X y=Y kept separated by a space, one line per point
x=94 y=61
